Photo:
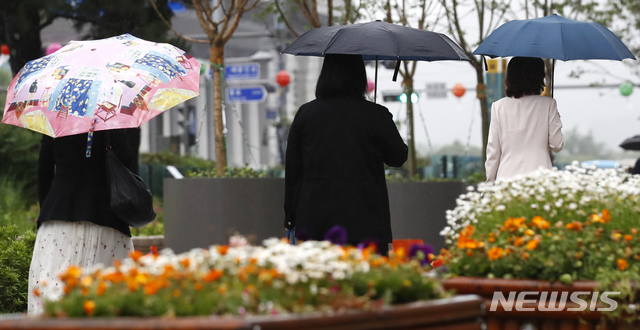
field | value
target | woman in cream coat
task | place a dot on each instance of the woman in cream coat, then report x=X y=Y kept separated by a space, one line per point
x=524 y=125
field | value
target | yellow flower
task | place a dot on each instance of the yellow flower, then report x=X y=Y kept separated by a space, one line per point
x=89 y=306
x=86 y=281
x=532 y=244
x=529 y=232
x=622 y=264
x=495 y=253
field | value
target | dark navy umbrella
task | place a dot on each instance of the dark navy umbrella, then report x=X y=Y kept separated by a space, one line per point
x=632 y=143
x=554 y=37
x=377 y=41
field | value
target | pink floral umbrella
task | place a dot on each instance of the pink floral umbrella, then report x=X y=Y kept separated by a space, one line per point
x=118 y=82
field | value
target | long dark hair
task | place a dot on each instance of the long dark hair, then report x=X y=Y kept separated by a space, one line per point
x=342 y=75
x=525 y=76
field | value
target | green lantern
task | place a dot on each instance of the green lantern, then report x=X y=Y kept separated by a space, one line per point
x=626 y=89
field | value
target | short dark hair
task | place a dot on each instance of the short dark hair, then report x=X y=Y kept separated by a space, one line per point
x=342 y=75
x=525 y=76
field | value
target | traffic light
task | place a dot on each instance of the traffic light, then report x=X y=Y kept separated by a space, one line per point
x=399 y=97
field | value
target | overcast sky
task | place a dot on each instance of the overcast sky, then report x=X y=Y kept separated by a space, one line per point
x=604 y=111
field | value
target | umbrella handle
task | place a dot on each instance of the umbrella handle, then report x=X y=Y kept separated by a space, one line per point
x=395 y=72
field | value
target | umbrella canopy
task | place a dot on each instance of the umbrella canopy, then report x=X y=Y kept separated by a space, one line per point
x=118 y=82
x=377 y=40
x=632 y=143
x=554 y=37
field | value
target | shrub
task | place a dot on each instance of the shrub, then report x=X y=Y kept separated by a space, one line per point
x=243 y=172
x=13 y=206
x=166 y=157
x=16 y=249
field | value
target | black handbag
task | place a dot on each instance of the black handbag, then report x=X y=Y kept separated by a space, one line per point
x=131 y=198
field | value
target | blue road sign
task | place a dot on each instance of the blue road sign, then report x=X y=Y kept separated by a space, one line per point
x=246 y=94
x=242 y=71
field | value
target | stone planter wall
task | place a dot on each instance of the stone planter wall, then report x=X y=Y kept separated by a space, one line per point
x=502 y=319
x=199 y=212
x=144 y=243
x=461 y=313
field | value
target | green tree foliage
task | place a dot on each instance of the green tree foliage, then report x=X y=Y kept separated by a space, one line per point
x=107 y=18
x=16 y=250
x=21 y=22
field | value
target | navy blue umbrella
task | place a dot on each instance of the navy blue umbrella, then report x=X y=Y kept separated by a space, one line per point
x=377 y=41
x=554 y=37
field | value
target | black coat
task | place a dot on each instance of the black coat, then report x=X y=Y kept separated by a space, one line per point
x=335 y=160
x=72 y=187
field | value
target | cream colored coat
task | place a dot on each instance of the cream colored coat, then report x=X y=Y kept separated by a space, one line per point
x=522 y=131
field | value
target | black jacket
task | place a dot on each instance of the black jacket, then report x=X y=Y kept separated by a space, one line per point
x=335 y=160
x=72 y=187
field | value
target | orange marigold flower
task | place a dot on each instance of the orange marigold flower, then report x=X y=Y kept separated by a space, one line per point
x=634 y=231
x=628 y=237
x=532 y=244
x=469 y=253
x=222 y=289
x=151 y=288
x=185 y=262
x=596 y=218
x=495 y=253
x=518 y=241
x=197 y=286
x=574 y=225
x=213 y=275
x=89 y=306
x=492 y=239
x=135 y=255
x=578 y=255
x=606 y=215
x=222 y=249
x=176 y=293
x=471 y=244
x=622 y=264
x=430 y=257
x=525 y=256
x=436 y=263
x=468 y=231
x=102 y=287
x=529 y=232
x=616 y=236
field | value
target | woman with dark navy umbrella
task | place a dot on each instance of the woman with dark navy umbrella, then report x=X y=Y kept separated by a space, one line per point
x=337 y=147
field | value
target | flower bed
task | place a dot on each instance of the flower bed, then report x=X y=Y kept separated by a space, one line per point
x=277 y=278
x=574 y=225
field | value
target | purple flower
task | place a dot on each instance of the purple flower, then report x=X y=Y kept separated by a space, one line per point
x=364 y=244
x=336 y=235
x=416 y=249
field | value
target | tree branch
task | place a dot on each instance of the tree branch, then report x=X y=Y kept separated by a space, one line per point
x=153 y=4
x=284 y=19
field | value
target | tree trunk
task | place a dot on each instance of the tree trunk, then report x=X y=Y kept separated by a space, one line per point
x=481 y=92
x=217 y=61
x=408 y=89
x=22 y=32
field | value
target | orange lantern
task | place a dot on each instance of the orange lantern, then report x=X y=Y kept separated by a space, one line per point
x=283 y=79
x=458 y=90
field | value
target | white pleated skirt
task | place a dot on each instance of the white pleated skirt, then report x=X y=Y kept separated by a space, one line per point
x=60 y=244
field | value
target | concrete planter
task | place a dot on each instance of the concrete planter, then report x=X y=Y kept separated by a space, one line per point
x=200 y=211
x=460 y=312
x=534 y=317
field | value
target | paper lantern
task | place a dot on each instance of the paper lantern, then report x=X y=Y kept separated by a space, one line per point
x=626 y=89
x=4 y=50
x=283 y=78
x=371 y=85
x=52 y=48
x=458 y=90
